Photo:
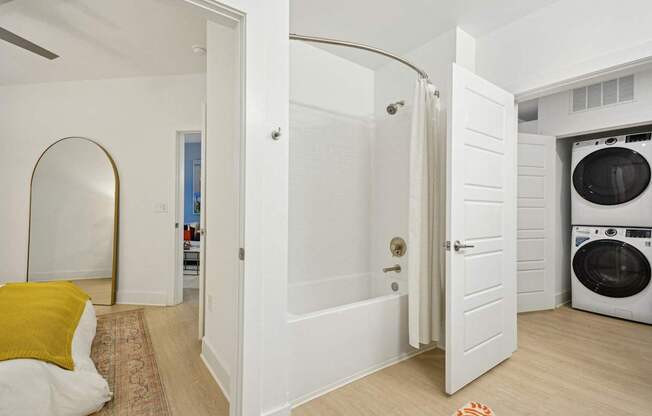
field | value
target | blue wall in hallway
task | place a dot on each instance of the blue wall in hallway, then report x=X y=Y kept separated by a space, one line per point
x=192 y=152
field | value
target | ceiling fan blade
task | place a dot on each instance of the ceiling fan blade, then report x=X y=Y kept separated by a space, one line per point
x=21 y=42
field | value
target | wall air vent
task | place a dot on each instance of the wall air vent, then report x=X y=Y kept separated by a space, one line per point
x=602 y=94
x=579 y=99
x=594 y=95
x=610 y=92
x=626 y=88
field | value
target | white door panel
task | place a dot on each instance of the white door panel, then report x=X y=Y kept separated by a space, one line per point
x=481 y=212
x=536 y=216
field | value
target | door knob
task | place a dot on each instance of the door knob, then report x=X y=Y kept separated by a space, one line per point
x=459 y=246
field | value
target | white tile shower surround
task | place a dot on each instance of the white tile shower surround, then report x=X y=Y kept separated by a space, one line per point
x=352 y=176
x=330 y=194
x=390 y=195
x=348 y=198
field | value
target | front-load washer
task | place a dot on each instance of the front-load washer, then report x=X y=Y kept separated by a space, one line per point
x=610 y=268
x=610 y=181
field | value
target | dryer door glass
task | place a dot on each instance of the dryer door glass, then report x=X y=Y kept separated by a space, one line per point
x=612 y=268
x=611 y=176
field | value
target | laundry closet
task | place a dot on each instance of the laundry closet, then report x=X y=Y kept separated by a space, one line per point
x=584 y=200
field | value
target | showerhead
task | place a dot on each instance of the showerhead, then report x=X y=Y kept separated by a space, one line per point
x=393 y=107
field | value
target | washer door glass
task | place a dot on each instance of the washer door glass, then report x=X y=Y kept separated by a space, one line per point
x=612 y=268
x=611 y=176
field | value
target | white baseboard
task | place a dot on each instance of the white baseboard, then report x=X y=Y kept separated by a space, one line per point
x=350 y=379
x=562 y=298
x=284 y=410
x=142 y=298
x=216 y=368
x=70 y=275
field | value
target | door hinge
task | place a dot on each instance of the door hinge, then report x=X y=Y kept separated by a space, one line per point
x=447 y=245
x=176 y=225
x=241 y=254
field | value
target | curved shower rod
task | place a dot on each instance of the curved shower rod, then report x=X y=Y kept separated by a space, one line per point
x=314 y=39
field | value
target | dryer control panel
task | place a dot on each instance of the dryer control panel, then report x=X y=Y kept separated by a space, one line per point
x=613 y=140
x=640 y=137
x=638 y=233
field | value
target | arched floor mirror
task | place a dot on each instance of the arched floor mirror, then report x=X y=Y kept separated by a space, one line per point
x=73 y=228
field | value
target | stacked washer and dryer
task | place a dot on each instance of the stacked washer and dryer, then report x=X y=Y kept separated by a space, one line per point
x=611 y=213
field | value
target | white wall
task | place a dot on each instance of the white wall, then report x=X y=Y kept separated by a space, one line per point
x=72 y=213
x=530 y=127
x=264 y=298
x=263 y=327
x=136 y=121
x=321 y=79
x=555 y=117
x=565 y=40
x=395 y=81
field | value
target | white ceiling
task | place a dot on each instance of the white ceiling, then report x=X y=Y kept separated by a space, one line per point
x=101 y=39
x=124 y=38
x=400 y=25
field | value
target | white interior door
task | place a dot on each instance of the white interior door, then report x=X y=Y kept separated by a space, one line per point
x=481 y=229
x=202 y=226
x=536 y=219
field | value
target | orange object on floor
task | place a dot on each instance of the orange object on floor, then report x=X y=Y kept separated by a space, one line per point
x=474 y=409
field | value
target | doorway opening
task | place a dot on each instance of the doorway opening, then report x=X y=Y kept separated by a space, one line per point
x=188 y=222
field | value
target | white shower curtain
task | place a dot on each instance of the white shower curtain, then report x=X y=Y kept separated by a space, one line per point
x=426 y=212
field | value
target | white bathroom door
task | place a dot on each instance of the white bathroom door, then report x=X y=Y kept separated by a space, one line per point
x=481 y=229
x=536 y=219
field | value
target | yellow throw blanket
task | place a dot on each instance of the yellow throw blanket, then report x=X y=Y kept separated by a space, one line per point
x=38 y=320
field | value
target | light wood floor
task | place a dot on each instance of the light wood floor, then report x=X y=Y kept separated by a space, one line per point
x=569 y=363
x=189 y=387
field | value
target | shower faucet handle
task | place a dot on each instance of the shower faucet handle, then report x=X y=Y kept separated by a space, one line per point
x=396 y=268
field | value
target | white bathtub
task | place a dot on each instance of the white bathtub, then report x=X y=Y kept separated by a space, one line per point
x=354 y=335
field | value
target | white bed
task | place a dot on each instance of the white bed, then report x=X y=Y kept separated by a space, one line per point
x=33 y=387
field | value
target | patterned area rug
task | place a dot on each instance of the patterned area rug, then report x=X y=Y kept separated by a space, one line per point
x=123 y=354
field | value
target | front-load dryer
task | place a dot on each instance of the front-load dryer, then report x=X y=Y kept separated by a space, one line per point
x=610 y=268
x=610 y=181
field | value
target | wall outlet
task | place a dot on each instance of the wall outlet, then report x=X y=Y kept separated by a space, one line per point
x=209 y=302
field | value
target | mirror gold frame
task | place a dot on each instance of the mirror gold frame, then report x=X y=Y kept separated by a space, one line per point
x=116 y=211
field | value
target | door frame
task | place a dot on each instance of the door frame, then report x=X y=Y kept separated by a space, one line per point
x=232 y=17
x=179 y=212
